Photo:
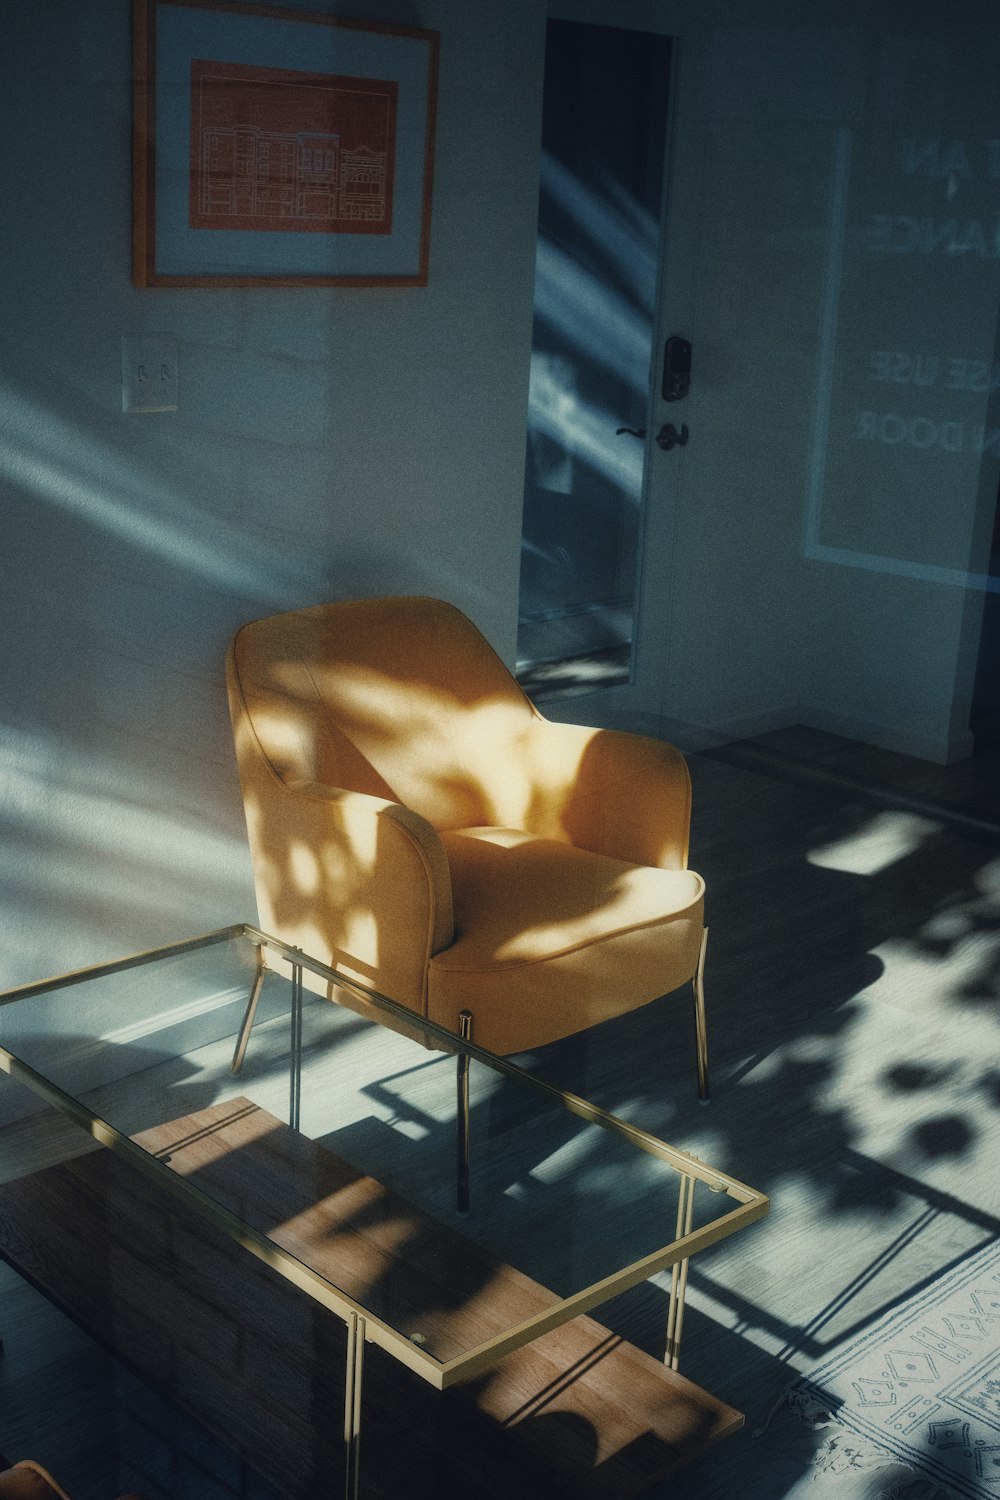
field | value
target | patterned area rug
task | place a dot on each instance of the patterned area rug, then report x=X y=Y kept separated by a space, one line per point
x=922 y=1384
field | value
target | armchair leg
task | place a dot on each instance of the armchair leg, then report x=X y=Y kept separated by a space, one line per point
x=249 y=1015
x=462 y=1118
x=701 y=1034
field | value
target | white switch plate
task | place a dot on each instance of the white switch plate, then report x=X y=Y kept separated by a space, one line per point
x=149 y=372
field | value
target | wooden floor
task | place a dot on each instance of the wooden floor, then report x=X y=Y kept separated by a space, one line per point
x=257 y=1362
x=854 y=913
x=855 y=978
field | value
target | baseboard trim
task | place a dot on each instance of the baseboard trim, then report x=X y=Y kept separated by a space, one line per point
x=941 y=750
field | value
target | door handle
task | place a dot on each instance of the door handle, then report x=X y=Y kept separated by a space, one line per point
x=668 y=437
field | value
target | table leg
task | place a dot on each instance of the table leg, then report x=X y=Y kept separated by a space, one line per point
x=463 y=1129
x=679 y=1273
x=251 y=1012
x=295 y=1059
x=352 y=1406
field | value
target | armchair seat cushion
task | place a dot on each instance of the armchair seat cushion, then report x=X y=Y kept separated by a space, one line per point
x=550 y=938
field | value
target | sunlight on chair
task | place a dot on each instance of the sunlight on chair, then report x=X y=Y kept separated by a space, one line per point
x=469 y=857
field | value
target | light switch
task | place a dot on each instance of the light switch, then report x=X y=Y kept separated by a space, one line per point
x=149 y=372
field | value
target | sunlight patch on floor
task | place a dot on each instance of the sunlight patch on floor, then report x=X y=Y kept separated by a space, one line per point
x=887 y=838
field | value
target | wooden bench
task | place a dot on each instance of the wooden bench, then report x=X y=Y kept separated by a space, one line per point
x=579 y=1412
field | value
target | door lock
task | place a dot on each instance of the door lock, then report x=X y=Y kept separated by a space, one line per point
x=668 y=437
x=676 y=368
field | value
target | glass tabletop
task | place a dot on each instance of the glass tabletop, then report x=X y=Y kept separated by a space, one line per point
x=332 y=1152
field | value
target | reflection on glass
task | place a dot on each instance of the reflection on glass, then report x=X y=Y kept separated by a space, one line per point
x=140 y=1053
x=595 y=288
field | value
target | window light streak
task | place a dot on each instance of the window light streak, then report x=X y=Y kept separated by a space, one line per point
x=886 y=839
x=118 y=827
x=53 y=923
x=82 y=480
x=584 y=431
x=591 y=1152
x=623 y=232
x=607 y=327
x=899 y=567
x=177 y=1015
x=595 y=305
x=584 y=672
x=987 y=879
x=636 y=219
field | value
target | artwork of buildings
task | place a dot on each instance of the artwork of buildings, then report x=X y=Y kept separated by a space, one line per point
x=273 y=149
x=249 y=173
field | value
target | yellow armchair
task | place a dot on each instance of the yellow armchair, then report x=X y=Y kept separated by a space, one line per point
x=417 y=824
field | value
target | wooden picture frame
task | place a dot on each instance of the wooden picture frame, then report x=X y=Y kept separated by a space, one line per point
x=279 y=147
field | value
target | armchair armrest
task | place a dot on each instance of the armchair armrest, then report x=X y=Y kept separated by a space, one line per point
x=29 y=1481
x=624 y=795
x=358 y=880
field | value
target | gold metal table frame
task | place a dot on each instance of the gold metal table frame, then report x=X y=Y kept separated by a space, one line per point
x=363 y=1326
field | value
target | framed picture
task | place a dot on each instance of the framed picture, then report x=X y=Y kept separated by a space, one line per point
x=279 y=147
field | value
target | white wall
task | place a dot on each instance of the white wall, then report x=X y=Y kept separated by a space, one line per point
x=328 y=443
x=799 y=569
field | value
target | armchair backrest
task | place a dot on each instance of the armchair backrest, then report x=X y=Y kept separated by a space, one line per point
x=400 y=698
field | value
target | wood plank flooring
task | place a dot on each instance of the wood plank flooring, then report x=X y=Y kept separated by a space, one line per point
x=193 y=1313
x=854 y=907
x=854 y=914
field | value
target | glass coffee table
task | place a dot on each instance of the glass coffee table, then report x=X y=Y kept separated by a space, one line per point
x=205 y=1212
